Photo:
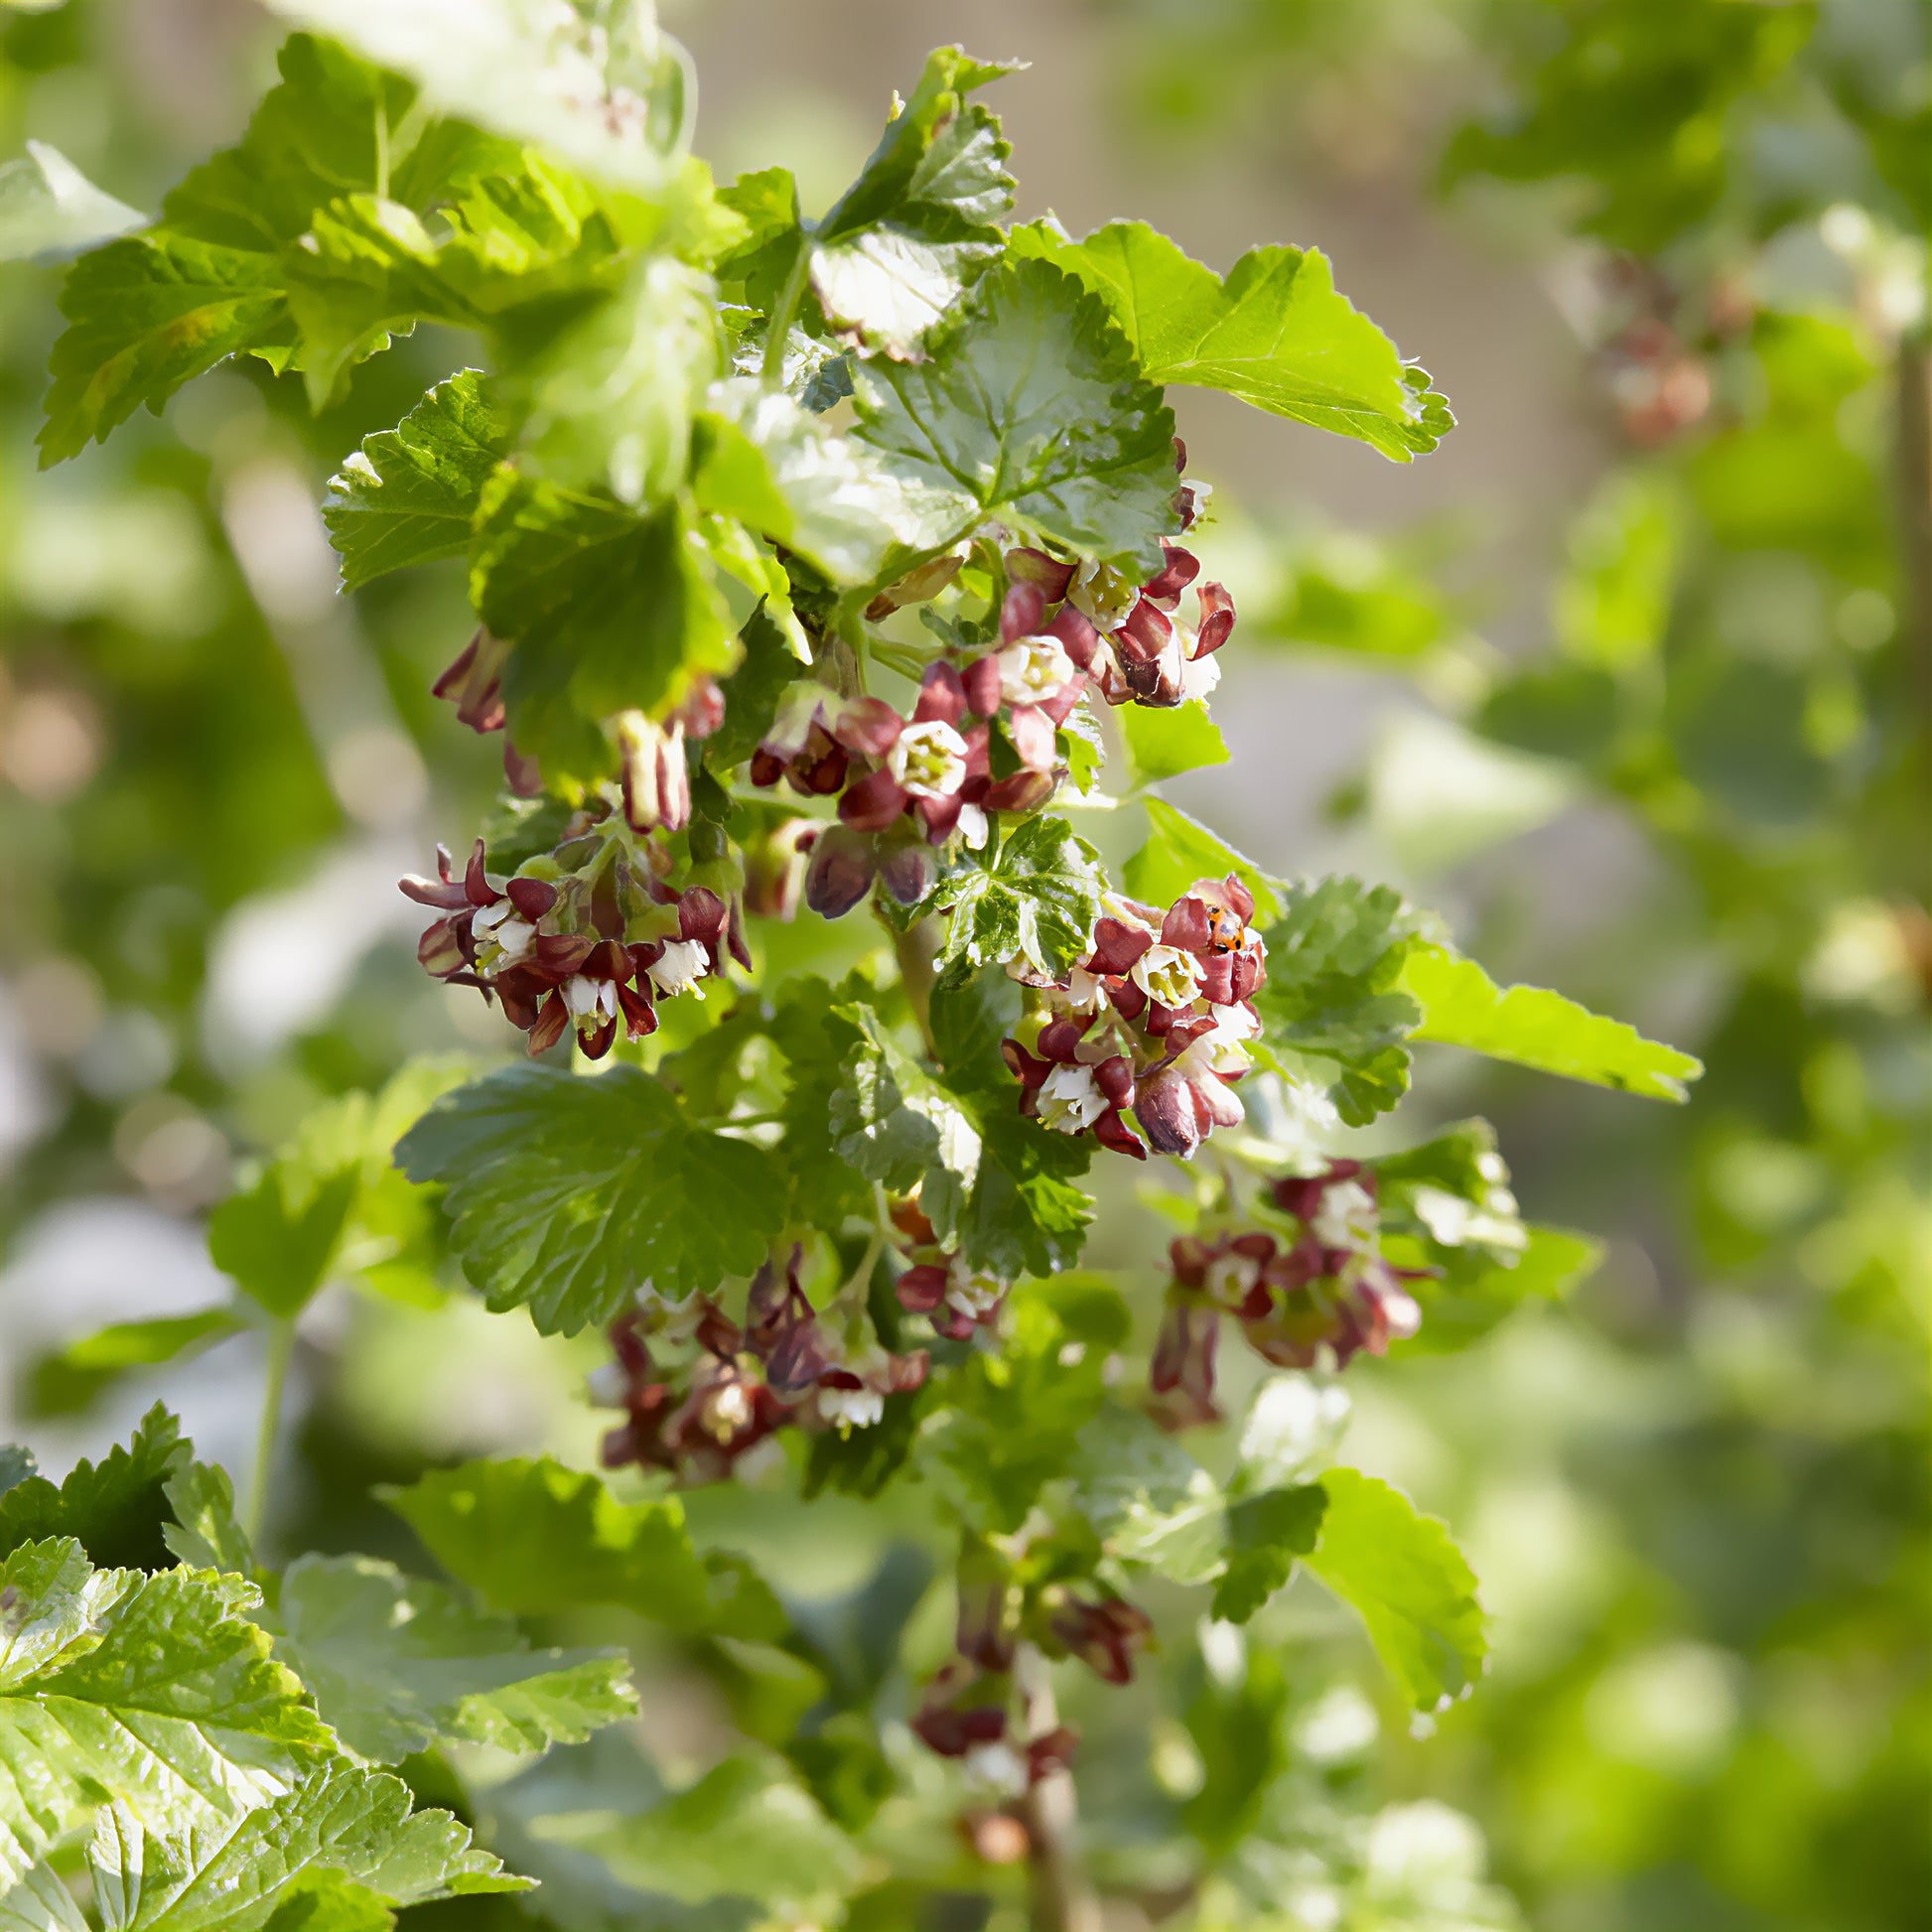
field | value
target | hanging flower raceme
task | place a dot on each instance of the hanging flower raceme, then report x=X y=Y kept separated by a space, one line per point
x=1317 y=1289
x=938 y=1284
x=589 y=937
x=1134 y=640
x=1154 y=1021
x=737 y=1383
x=970 y=1714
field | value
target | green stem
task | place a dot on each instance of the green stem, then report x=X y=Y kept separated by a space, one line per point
x=281 y=1349
x=780 y=330
x=915 y=951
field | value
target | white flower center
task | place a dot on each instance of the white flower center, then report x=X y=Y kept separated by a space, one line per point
x=728 y=1411
x=997 y=1769
x=1199 y=675
x=1070 y=1099
x=971 y=1293
x=973 y=827
x=1346 y=1216
x=851 y=1408
x=607 y=1386
x=680 y=968
x=1033 y=668
x=1085 y=992
x=589 y=998
x=1103 y=594
x=1168 y=976
x=928 y=759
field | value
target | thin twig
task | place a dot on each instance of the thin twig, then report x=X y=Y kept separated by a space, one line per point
x=281 y=1349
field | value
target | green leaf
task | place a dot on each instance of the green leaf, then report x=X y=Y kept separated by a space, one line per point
x=1027 y=409
x=145 y=315
x=778 y=469
x=333 y=1852
x=1148 y=1499
x=279 y=1239
x=613 y=397
x=745 y=1828
x=70 y=1379
x=1179 y=850
x=1240 y=1733
x=1023 y=1215
x=396 y=1664
x=892 y=1119
x=1161 y=743
x=149 y=311
x=1035 y=899
x=205 y=1533
x=1335 y=960
x=608 y=612
x=16 y=1466
x=113 y=1509
x=1409 y=1581
x=153 y=1691
x=598 y=85
x=922 y=219
x=1274 y=333
x=1463 y=1006
x=565 y=1192
x=1266 y=1532
x=535 y=1538
x=50 y=209
x=1016 y=1418
x=410 y=495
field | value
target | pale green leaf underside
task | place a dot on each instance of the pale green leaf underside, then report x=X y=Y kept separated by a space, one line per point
x=398 y=1664
x=50 y=209
x=744 y=1830
x=1030 y=409
x=1275 y=332
x=1534 y=1026
x=409 y=496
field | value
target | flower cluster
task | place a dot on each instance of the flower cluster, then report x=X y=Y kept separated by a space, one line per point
x=737 y=1384
x=1132 y=638
x=907 y=785
x=1155 y=1021
x=590 y=935
x=938 y=1284
x=1317 y=1287
x=973 y=1709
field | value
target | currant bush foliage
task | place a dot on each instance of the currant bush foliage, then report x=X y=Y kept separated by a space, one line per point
x=810 y=558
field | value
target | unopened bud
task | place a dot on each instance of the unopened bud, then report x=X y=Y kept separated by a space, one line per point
x=656 y=780
x=774 y=868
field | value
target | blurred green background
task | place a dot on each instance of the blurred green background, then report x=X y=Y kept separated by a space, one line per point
x=1631 y=678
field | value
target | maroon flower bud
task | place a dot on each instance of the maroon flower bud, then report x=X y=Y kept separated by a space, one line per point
x=874 y=802
x=474 y=682
x=980 y=681
x=942 y=696
x=922 y=1287
x=1021 y=613
x=1053 y=578
x=1117 y=945
x=1075 y=632
x=840 y=873
x=1051 y=1752
x=1182 y=1374
x=702 y=709
x=1032 y=733
x=523 y=775
x=906 y=871
x=656 y=780
x=774 y=868
x=1105 y=1637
